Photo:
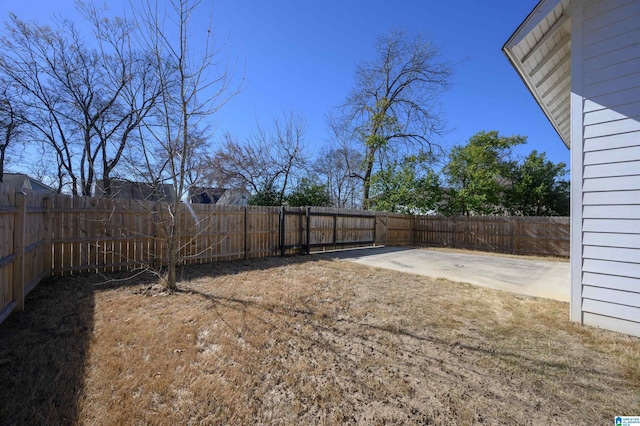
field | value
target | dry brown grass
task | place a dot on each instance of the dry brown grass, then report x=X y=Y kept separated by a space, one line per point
x=307 y=341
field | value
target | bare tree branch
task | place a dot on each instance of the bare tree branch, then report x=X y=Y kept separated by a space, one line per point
x=395 y=99
x=195 y=83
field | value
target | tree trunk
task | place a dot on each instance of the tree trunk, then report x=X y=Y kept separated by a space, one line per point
x=366 y=204
x=284 y=187
x=172 y=246
x=170 y=282
x=2 y=150
x=74 y=186
x=106 y=186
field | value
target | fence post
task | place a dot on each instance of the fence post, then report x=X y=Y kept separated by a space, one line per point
x=282 y=230
x=246 y=236
x=454 y=240
x=47 y=236
x=386 y=230
x=19 y=223
x=335 y=230
x=411 y=227
x=375 y=225
x=308 y=229
x=513 y=225
x=155 y=254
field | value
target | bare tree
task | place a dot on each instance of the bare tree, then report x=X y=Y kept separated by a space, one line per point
x=44 y=166
x=72 y=90
x=271 y=159
x=194 y=86
x=337 y=167
x=31 y=61
x=242 y=165
x=131 y=76
x=394 y=100
x=11 y=119
x=289 y=149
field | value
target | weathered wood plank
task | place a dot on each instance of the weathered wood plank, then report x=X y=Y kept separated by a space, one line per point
x=523 y=235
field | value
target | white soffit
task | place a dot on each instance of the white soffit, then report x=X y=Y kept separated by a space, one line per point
x=540 y=51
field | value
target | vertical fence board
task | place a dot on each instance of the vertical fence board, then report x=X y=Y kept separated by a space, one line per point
x=19 y=228
x=65 y=235
x=7 y=217
x=35 y=241
x=546 y=236
x=48 y=262
x=75 y=216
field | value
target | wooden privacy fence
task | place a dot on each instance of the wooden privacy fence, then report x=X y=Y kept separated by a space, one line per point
x=102 y=234
x=311 y=229
x=545 y=236
x=54 y=234
x=25 y=246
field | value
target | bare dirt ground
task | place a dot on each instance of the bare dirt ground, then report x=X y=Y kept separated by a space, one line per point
x=307 y=341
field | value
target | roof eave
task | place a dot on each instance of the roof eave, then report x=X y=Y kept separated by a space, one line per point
x=517 y=66
x=531 y=22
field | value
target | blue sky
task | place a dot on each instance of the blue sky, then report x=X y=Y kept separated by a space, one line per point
x=300 y=56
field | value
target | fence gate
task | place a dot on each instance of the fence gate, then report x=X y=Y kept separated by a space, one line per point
x=381 y=229
x=314 y=229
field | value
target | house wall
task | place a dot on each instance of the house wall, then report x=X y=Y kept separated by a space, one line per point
x=606 y=194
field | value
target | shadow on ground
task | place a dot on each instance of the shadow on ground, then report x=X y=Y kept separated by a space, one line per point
x=379 y=346
x=362 y=252
x=43 y=352
x=44 y=349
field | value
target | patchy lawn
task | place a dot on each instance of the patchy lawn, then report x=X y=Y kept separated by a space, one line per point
x=307 y=341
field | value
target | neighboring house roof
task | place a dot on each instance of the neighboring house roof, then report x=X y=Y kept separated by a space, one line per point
x=205 y=195
x=540 y=51
x=137 y=190
x=234 y=197
x=20 y=180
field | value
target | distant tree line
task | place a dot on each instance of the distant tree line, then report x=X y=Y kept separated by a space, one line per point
x=383 y=155
x=123 y=101
x=482 y=177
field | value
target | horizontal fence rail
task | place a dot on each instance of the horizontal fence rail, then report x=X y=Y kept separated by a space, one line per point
x=54 y=234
